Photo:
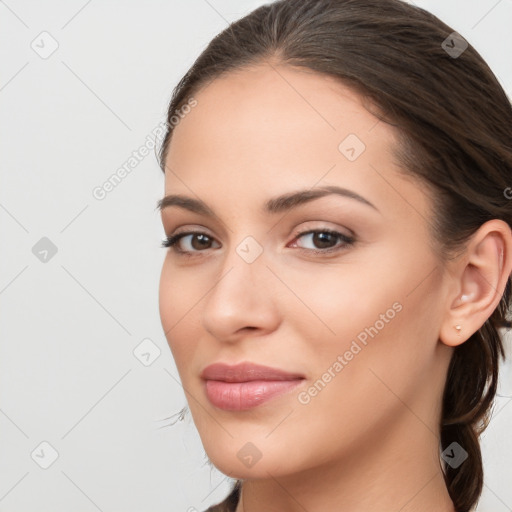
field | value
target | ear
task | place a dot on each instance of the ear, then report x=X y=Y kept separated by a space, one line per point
x=478 y=279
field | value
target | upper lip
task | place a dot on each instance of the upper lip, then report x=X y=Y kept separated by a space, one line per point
x=245 y=372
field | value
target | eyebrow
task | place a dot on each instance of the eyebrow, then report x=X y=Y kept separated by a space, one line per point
x=275 y=205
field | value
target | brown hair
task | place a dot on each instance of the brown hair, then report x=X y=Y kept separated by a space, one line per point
x=454 y=122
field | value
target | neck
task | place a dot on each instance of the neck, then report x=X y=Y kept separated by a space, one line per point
x=400 y=471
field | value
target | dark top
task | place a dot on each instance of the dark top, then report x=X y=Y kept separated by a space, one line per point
x=230 y=503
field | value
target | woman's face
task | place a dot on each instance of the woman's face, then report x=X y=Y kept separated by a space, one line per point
x=352 y=316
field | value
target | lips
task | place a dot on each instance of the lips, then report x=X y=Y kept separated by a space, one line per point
x=246 y=385
x=246 y=372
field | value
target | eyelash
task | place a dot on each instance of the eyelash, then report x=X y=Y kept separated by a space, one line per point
x=172 y=241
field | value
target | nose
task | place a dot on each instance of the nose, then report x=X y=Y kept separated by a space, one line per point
x=241 y=299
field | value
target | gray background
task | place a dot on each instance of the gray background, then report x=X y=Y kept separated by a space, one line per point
x=72 y=323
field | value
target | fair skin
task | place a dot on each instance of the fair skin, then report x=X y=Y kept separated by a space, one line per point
x=369 y=440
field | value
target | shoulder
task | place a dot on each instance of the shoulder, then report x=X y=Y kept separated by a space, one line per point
x=230 y=503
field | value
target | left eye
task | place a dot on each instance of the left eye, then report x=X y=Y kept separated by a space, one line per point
x=323 y=239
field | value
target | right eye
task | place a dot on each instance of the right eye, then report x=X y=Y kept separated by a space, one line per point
x=196 y=243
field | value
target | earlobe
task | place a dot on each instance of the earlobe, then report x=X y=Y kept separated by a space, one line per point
x=479 y=280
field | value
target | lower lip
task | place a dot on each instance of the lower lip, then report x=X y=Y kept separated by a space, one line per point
x=239 y=396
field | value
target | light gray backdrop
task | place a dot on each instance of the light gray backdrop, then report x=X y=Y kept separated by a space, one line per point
x=86 y=376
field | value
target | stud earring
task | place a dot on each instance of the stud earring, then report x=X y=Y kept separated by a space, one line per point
x=458 y=327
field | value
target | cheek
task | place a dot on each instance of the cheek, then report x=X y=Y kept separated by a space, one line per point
x=338 y=301
x=360 y=351
x=180 y=291
x=179 y=303
x=369 y=313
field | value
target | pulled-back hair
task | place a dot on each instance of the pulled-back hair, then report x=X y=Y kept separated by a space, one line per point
x=454 y=123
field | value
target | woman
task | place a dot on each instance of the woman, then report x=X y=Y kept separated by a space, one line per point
x=337 y=207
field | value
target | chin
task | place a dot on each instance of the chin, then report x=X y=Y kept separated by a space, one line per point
x=243 y=459
x=234 y=468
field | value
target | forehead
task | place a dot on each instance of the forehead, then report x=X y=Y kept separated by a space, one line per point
x=275 y=105
x=278 y=127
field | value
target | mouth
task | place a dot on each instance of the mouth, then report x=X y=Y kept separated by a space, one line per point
x=246 y=385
